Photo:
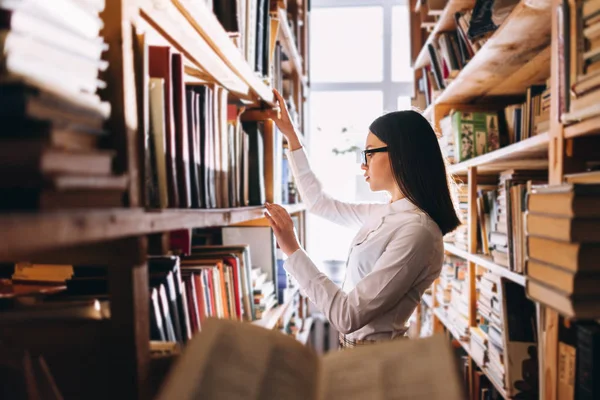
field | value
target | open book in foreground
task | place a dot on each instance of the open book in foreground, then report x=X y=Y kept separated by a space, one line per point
x=235 y=360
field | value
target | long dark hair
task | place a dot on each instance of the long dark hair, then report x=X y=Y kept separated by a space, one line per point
x=418 y=165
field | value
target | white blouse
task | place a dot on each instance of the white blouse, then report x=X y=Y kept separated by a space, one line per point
x=396 y=254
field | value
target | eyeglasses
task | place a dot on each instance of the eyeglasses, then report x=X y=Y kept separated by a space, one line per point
x=363 y=154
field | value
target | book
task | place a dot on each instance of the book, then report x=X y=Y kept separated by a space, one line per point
x=235 y=360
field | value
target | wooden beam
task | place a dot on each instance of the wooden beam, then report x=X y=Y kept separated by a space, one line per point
x=472 y=221
x=549 y=385
x=121 y=91
x=129 y=303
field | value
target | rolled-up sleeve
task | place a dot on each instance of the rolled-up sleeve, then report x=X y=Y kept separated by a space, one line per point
x=319 y=202
x=405 y=258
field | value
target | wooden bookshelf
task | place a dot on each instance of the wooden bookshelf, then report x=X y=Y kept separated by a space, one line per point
x=530 y=153
x=179 y=32
x=70 y=228
x=585 y=128
x=516 y=56
x=444 y=23
x=122 y=238
x=486 y=262
x=524 y=51
x=207 y=25
x=467 y=348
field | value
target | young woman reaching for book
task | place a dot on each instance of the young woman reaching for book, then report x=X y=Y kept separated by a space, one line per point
x=398 y=250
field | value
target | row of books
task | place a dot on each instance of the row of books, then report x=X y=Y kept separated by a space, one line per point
x=504 y=330
x=468 y=133
x=196 y=151
x=251 y=27
x=451 y=50
x=52 y=117
x=501 y=217
x=209 y=276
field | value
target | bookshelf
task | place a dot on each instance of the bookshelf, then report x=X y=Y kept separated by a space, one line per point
x=529 y=153
x=123 y=237
x=528 y=48
x=444 y=23
x=516 y=55
x=487 y=263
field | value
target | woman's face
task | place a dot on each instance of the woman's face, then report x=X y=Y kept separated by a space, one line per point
x=378 y=171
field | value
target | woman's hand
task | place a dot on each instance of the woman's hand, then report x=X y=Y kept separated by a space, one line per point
x=281 y=117
x=283 y=227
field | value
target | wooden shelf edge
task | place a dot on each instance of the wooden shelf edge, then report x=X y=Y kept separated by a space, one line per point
x=535 y=143
x=584 y=128
x=209 y=27
x=467 y=347
x=24 y=233
x=180 y=33
x=487 y=263
x=289 y=45
x=271 y=317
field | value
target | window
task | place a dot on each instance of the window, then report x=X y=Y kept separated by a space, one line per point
x=401 y=69
x=360 y=68
x=349 y=46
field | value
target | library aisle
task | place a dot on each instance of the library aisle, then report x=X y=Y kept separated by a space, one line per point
x=137 y=156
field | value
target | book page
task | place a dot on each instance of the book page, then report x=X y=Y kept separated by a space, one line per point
x=232 y=360
x=416 y=369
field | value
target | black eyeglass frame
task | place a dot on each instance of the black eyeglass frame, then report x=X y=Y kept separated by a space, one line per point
x=363 y=154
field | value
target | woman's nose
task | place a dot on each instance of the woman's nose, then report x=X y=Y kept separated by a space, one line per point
x=364 y=167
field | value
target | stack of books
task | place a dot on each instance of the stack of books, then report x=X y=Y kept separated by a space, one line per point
x=52 y=119
x=563 y=237
x=489 y=310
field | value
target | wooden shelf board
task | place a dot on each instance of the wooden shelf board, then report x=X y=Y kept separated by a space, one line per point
x=289 y=46
x=270 y=318
x=167 y=21
x=194 y=31
x=467 y=347
x=208 y=26
x=23 y=233
x=305 y=333
x=535 y=71
x=445 y=23
x=529 y=153
x=516 y=52
x=486 y=262
x=584 y=128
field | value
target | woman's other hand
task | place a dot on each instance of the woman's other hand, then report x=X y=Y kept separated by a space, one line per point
x=283 y=227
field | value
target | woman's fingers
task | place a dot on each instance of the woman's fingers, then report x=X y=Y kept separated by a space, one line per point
x=279 y=97
x=270 y=220
x=279 y=212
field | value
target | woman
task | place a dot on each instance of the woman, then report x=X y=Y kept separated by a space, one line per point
x=398 y=251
